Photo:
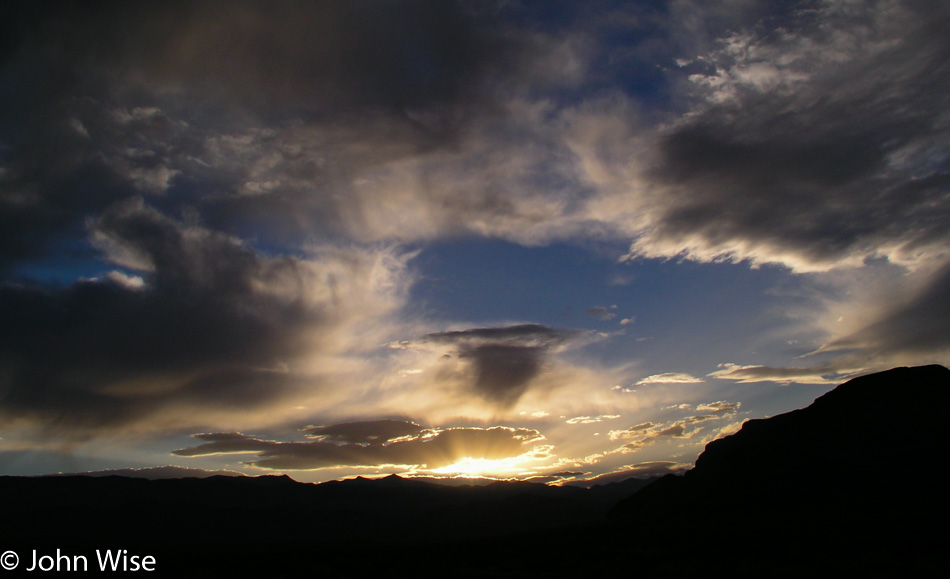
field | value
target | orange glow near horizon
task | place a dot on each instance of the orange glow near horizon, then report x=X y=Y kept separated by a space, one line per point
x=479 y=467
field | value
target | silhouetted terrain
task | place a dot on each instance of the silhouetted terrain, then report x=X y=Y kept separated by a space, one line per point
x=848 y=484
x=241 y=523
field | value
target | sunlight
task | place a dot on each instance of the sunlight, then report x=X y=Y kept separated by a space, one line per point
x=476 y=467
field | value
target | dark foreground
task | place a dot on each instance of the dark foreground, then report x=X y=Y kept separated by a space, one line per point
x=845 y=486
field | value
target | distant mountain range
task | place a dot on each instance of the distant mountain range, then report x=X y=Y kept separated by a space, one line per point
x=848 y=485
x=157 y=472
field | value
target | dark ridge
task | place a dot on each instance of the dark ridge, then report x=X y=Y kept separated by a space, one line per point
x=871 y=435
x=848 y=483
x=242 y=523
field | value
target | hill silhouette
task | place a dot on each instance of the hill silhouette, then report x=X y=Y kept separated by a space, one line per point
x=848 y=485
x=850 y=482
x=275 y=525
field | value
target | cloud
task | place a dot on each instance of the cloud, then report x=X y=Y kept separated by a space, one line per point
x=319 y=55
x=749 y=374
x=916 y=325
x=524 y=334
x=669 y=378
x=454 y=122
x=430 y=448
x=380 y=121
x=720 y=407
x=210 y=330
x=601 y=313
x=591 y=419
x=642 y=427
x=500 y=363
x=370 y=432
x=648 y=433
x=815 y=141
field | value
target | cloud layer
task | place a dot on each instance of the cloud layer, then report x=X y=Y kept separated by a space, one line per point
x=429 y=449
x=814 y=141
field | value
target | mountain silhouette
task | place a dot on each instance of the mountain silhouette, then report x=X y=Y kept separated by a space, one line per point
x=874 y=434
x=851 y=482
x=275 y=525
x=849 y=485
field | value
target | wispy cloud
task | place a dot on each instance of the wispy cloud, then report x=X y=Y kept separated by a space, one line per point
x=747 y=374
x=669 y=378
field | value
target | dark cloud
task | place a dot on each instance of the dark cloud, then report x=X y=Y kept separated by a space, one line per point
x=72 y=357
x=305 y=54
x=210 y=324
x=677 y=430
x=820 y=139
x=504 y=360
x=502 y=372
x=107 y=100
x=428 y=449
x=524 y=334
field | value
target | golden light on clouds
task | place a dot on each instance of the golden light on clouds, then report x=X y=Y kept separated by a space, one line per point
x=484 y=467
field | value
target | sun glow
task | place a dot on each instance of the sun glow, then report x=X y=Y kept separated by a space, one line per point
x=472 y=467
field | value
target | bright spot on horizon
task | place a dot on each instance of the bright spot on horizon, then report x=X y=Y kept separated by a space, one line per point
x=484 y=467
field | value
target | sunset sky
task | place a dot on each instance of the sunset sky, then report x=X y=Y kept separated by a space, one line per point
x=553 y=240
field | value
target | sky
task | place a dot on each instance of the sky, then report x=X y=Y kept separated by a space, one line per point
x=548 y=240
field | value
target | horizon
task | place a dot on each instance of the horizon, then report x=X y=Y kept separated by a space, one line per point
x=510 y=240
x=174 y=472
